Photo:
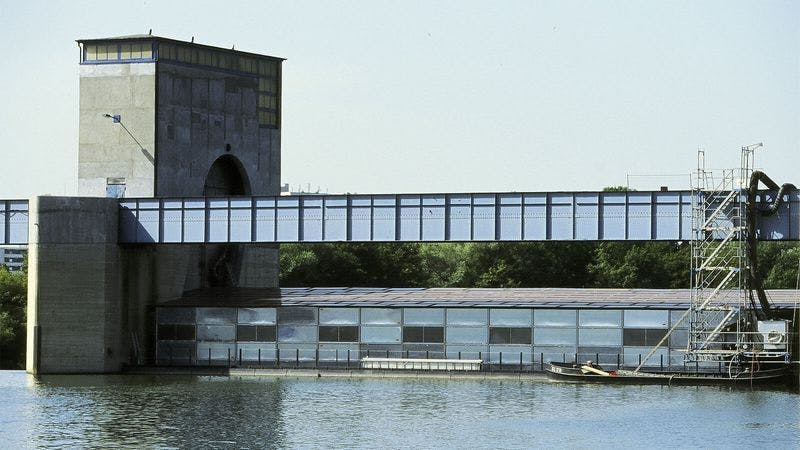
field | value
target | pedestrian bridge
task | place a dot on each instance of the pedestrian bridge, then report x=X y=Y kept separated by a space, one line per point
x=535 y=216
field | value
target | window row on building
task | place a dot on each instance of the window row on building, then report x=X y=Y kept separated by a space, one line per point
x=265 y=68
x=118 y=51
x=417 y=334
x=396 y=326
x=458 y=316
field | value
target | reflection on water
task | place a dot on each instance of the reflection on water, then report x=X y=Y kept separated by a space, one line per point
x=173 y=411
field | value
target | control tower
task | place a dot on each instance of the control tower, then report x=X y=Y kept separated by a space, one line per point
x=166 y=118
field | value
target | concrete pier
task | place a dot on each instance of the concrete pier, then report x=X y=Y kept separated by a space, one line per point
x=74 y=310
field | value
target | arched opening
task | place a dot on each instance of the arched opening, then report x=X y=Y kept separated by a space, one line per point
x=222 y=262
x=226 y=177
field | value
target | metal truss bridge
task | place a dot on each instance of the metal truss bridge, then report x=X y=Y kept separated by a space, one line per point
x=536 y=216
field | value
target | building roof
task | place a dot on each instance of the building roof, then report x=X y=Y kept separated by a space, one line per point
x=455 y=297
x=135 y=37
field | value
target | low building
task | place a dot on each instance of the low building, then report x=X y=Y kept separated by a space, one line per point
x=515 y=327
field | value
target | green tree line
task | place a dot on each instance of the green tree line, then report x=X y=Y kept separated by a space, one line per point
x=657 y=265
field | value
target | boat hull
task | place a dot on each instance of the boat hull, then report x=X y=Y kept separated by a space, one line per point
x=571 y=373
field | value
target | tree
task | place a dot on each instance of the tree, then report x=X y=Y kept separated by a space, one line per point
x=781 y=266
x=13 y=295
x=661 y=265
x=352 y=264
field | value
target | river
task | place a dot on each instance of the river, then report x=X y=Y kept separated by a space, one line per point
x=220 y=412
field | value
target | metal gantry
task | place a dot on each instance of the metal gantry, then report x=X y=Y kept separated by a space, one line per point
x=718 y=263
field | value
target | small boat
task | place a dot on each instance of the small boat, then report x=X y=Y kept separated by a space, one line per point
x=593 y=373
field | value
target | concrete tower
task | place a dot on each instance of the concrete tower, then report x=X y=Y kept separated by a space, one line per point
x=158 y=118
x=165 y=118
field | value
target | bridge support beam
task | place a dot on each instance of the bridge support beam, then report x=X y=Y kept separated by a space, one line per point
x=75 y=304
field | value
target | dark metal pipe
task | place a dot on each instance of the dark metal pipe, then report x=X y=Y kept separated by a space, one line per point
x=751 y=241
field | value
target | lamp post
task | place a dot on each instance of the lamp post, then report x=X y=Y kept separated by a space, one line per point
x=116 y=118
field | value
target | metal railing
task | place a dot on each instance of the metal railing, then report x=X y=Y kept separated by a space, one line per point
x=513 y=362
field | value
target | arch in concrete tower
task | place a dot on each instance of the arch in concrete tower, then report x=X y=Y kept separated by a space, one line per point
x=226 y=177
x=222 y=263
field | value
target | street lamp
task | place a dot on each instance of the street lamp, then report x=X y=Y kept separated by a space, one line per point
x=116 y=118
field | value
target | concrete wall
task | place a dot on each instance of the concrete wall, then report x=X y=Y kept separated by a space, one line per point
x=104 y=148
x=154 y=275
x=203 y=114
x=75 y=306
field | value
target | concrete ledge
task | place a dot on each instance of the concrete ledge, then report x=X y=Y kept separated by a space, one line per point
x=235 y=372
x=393 y=374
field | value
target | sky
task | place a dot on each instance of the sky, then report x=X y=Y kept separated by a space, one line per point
x=435 y=96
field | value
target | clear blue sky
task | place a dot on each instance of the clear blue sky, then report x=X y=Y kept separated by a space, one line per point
x=427 y=96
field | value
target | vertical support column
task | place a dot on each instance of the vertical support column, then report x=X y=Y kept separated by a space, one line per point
x=74 y=289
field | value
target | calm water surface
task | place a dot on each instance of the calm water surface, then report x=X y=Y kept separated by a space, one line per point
x=214 y=412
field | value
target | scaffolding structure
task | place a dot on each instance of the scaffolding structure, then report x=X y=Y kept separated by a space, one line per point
x=717 y=316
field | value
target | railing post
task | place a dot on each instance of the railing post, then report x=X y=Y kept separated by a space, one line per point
x=640 y=359
x=459 y=355
x=427 y=354
x=297 y=358
x=259 y=357
x=316 y=358
x=520 y=362
x=618 y=361
x=229 y=357
x=541 y=361
x=337 y=358
x=278 y=357
x=189 y=351
x=501 y=361
x=348 y=358
x=240 y=357
x=662 y=362
x=209 y=356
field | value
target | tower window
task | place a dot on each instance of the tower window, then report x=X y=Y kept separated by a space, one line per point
x=125 y=51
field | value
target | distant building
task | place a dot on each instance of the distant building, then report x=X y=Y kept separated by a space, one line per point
x=12 y=257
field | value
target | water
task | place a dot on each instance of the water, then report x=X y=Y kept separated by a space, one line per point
x=216 y=412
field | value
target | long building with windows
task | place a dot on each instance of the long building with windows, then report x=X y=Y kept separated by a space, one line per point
x=514 y=327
